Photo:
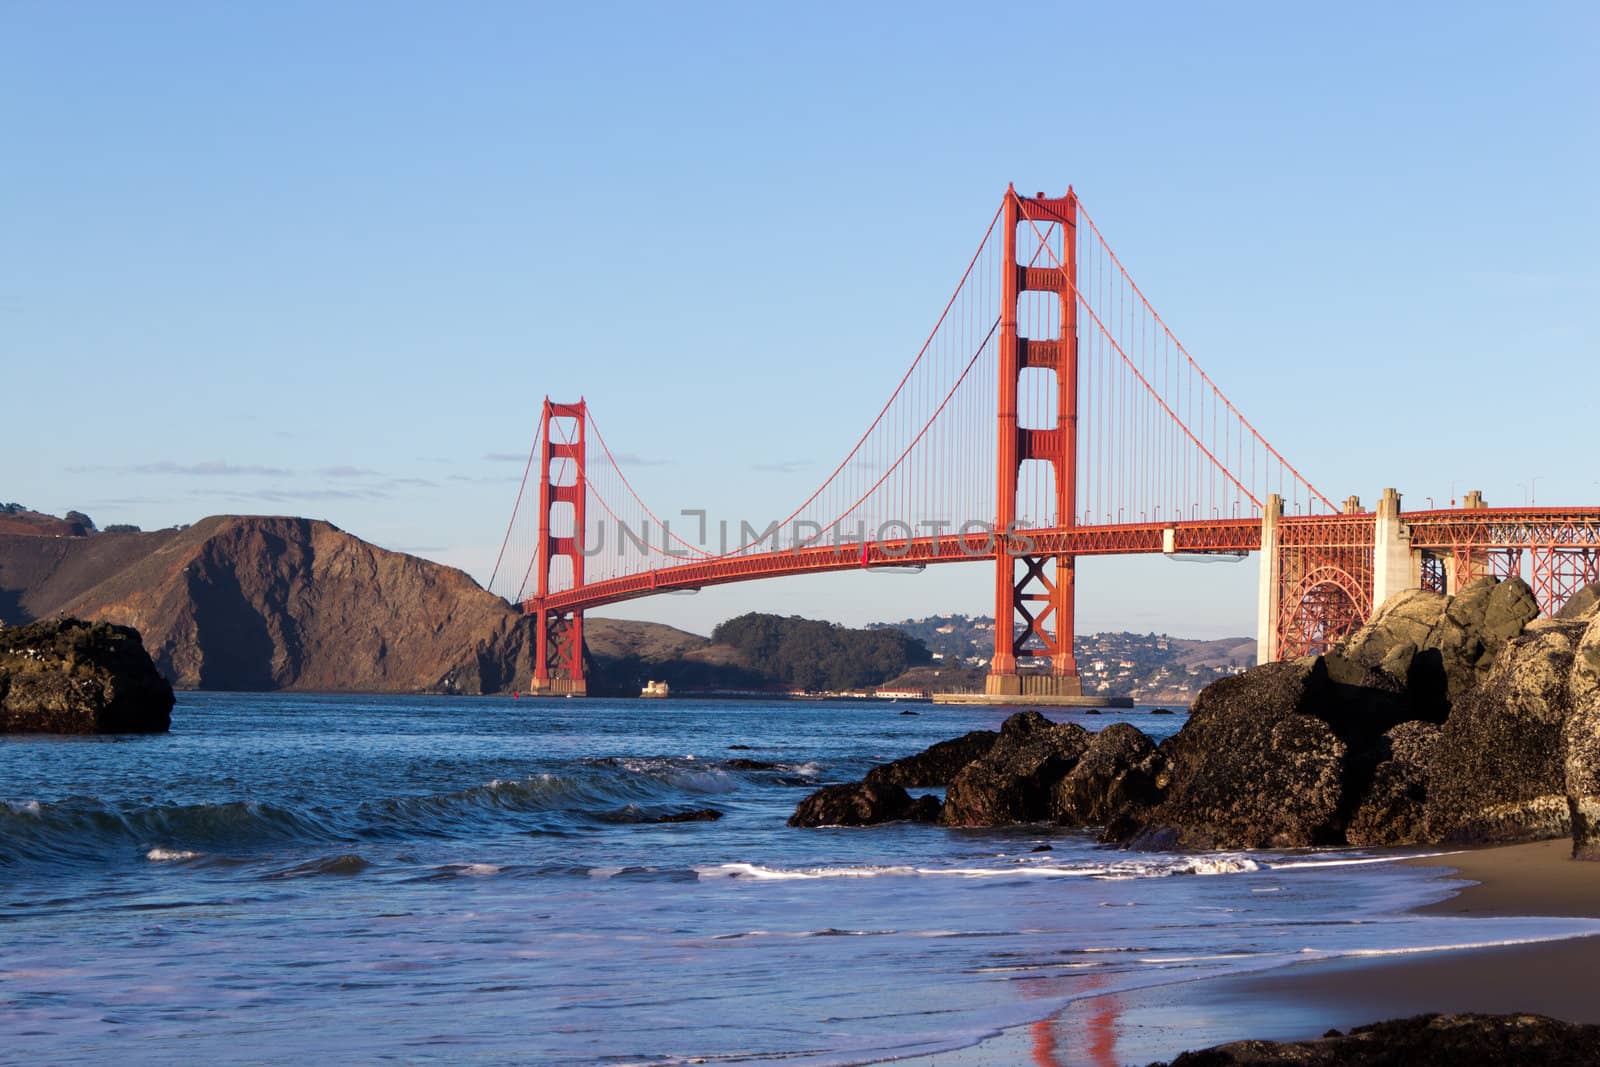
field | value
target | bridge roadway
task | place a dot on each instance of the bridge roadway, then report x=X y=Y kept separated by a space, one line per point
x=1442 y=531
x=1214 y=535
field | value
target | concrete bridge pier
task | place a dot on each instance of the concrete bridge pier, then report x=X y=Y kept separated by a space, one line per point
x=1395 y=567
x=1267 y=592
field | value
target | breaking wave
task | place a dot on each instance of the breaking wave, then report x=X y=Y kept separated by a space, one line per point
x=87 y=830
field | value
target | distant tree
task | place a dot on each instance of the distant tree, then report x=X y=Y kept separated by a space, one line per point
x=12 y=509
x=814 y=655
x=78 y=518
x=121 y=527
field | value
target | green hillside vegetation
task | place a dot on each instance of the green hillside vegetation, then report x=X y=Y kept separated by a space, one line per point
x=798 y=653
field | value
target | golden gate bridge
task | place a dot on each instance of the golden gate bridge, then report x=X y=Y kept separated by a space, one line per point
x=1049 y=414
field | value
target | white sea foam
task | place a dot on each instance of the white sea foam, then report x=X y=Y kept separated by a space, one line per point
x=1463 y=946
x=1201 y=865
x=829 y=931
x=773 y=874
x=478 y=870
x=1362 y=861
x=170 y=855
x=24 y=807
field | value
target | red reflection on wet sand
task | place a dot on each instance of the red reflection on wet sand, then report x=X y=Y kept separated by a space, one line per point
x=1097 y=1032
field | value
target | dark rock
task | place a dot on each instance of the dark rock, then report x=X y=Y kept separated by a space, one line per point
x=1161 y=711
x=1581 y=743
x=1499 y=769
x=67 y=676
x=1511 y=607
x=1392 y=810
x=1404 y=620
x=1582 y=753
x=852 y=804
x=1013 y=781
x=1585 y=679
x=937 y=764
x=697 y=815
x=1253 y=767
x=1480 y=619
x=1421 y=1041
x=911 y=713
x=1413 y=743
x=1394 y=653
x=1091 y=711
x=739 y=763
x=1584 y=604
x=1116 y=774
x=924 y=809
x=1042 y=848
x=1442 y=646
x=738 y=748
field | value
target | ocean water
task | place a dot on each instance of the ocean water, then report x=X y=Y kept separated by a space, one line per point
x=462 y=880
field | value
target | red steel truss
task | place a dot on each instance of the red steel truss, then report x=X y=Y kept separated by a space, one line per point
x=1324 y=580
x=1560 y=545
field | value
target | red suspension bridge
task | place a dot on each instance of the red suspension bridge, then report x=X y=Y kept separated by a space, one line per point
x=1049 y=414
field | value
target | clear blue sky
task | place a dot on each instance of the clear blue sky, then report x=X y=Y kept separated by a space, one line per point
x=326 y=259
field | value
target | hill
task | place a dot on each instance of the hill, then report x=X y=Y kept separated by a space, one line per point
x=268 y=602
x=249 y=602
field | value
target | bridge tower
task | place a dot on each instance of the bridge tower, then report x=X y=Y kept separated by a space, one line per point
x=1036 y=590
x=558 y=635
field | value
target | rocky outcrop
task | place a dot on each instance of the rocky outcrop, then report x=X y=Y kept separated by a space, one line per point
x=1581 y=773
x=1444 y=719
x=861 y=804
x=1421 y=1041
x=67 y=676
x=1014 y=780
x=1117 y=777
x=1393 y=809
x=992 y=779
x=936 y=765
x=1255 y=767
x=1440 y=646
x=1498 y=771
x=1581 y=742
x=1582 y=604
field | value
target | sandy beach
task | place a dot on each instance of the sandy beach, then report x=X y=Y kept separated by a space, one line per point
x=1305 y=1001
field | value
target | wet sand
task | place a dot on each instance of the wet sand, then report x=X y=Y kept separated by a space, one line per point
x=1554 y=978
x=1304 y=1001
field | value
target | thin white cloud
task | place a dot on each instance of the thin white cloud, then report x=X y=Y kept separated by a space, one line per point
x=633 y=459
x=782 y=466
x=285 y=496
x=215 y=468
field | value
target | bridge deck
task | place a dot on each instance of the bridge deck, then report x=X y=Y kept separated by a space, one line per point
x=1217 y=535
x=1440 y=530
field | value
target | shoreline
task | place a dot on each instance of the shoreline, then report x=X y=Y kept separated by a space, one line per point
x=1305 y=1000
